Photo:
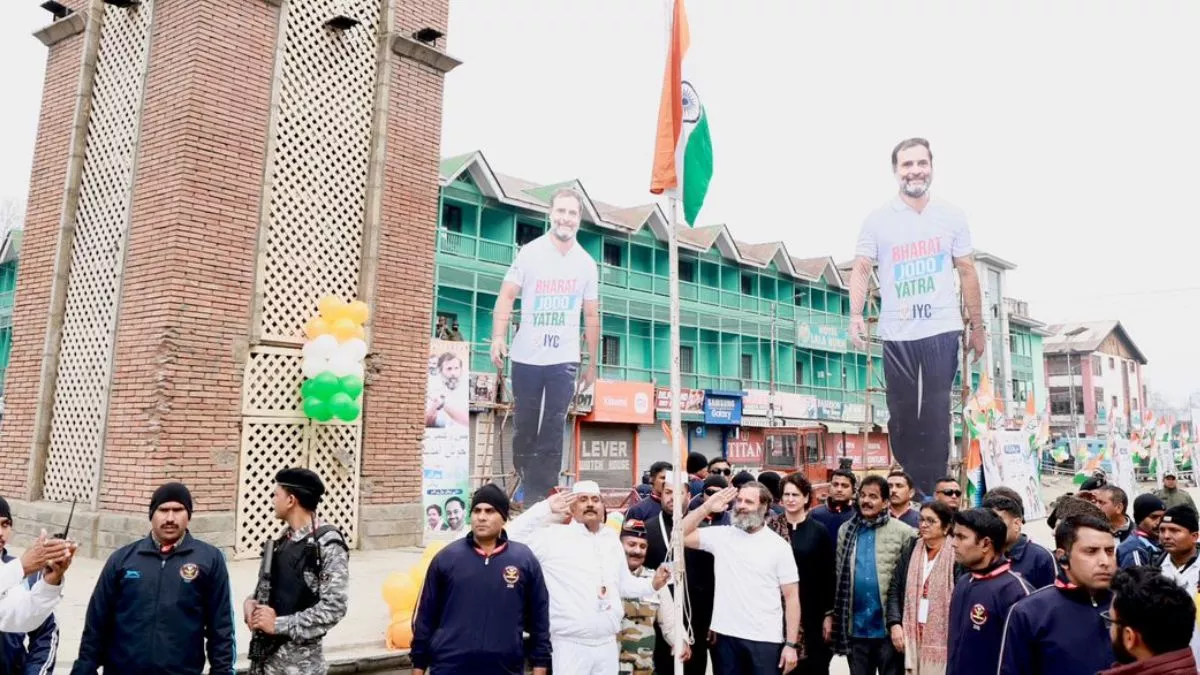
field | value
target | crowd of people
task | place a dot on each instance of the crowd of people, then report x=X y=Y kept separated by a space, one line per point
x=876 y=572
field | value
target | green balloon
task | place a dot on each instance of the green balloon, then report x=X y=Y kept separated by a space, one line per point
x=317 y=409
x=306 y=389
x=352 y=386
x=343 y=407
x=325 y=385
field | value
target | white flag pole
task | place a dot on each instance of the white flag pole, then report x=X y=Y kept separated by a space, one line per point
x=676 y=434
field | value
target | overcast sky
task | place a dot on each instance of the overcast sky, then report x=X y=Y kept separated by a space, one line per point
x=1068 y=131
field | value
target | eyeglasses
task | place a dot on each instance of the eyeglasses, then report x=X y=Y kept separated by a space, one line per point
x=951 y=493
x=723 y=472
x=1108 y=618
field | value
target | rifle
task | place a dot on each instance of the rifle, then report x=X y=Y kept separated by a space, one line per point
x=262 y=646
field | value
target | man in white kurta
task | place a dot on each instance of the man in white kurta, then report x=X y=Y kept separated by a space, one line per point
x=586 y=574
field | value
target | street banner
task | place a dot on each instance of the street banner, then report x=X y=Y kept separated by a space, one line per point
x=1006 y=461
x=446 y=465
x=1122 y=465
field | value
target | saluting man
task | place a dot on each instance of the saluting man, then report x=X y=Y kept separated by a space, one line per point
x=162 y=603
x=309 y=579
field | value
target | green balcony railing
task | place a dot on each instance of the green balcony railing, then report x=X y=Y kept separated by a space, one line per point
x=1021 y=362
x=456 y=244
x=6 y=301
x=496 y=251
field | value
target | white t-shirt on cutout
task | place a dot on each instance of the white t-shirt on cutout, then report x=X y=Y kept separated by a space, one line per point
x=915 y=253
x=749 y=570
x=554 y=287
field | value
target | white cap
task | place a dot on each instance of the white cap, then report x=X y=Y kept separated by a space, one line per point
x=586 y=487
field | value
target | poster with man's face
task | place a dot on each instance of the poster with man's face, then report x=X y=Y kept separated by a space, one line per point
x=446 y=464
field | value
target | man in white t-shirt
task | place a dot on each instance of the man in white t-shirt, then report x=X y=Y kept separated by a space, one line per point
x=754 y=568
x=918 y=243
x=557 y=282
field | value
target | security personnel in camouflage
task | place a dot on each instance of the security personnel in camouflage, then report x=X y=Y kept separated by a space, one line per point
x=309 y=580
x=637 y=626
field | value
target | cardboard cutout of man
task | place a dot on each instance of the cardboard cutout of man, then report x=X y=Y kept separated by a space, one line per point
x=918 y=243
x=558 y=283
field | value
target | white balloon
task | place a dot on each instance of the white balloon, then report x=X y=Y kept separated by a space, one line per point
x=324 y=347
x=312 y=366
x=342 y=365
x=356 y=348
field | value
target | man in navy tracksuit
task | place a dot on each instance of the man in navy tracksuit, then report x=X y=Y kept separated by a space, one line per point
x=1141 y=548
x=480 y=593
x=162 y=603
x=1058 y=630
x=983 y=596
x=15 y=657
x=1034 y=563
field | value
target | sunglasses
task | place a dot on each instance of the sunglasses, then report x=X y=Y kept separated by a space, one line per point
x=951 y=493
x=723 y=472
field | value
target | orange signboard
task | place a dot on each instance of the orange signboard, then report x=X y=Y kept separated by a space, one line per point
x=622 y=402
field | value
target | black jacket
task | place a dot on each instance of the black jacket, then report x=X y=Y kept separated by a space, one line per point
x=894 y=612
x=474 y=606
x=157 y=613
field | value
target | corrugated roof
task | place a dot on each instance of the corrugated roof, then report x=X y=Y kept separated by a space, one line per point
x=1090 y=335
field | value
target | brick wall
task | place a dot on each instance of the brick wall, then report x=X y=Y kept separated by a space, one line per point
x=391 y=468
x=189 y=270
x=35 y=270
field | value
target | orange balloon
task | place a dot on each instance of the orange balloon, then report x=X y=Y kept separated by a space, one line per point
x=417 y=574
x=400 y=634
x=358 y=312
x=400 y=592
x=344 y=329
x=331 y=307
x=316 y=327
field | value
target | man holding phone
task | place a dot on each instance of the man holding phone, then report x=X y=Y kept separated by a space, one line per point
x=21 y=649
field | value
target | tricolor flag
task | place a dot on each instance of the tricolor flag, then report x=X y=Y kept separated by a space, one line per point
x=683 y=158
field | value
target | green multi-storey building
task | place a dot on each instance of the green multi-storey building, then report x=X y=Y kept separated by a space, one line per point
x=757 y=325
x=753 y=318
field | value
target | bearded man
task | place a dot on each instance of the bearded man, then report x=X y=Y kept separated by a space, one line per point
x=754 y=569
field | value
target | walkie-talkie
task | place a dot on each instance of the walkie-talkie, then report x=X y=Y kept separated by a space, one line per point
x=67 y=530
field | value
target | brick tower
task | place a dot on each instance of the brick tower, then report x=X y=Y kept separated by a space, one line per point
x=204 y=172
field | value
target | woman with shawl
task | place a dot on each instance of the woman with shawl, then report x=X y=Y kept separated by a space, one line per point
x=918 y=604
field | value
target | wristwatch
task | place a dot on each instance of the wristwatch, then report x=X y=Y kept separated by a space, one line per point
x=793 y=645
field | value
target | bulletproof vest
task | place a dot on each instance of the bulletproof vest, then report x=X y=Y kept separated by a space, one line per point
x=290 y=593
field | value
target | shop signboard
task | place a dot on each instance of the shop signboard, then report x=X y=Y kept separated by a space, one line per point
x=622 y=402
x=824 y=337
x=606 y=454
x=745 y=449
x=721 y=409
x=690 y=400
x=877 y=456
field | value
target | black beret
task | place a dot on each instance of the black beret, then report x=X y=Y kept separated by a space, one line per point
x=304 y=484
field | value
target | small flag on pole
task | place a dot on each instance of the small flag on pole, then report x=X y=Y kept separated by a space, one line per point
x=683 y=157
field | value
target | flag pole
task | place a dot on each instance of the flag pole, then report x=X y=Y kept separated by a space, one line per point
x=676 y=431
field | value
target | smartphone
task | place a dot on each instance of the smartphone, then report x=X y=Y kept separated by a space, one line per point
x=67 y=530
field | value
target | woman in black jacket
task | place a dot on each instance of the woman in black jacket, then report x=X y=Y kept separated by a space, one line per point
x=918 y=599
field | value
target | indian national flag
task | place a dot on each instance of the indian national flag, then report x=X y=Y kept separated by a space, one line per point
x=683 y=158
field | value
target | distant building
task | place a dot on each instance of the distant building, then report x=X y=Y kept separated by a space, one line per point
x=10 y=250
x=1094 y=372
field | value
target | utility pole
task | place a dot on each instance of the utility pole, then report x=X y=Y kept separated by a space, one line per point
x=774 y=326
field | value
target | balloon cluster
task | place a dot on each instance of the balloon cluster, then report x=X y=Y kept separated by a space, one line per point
x=400 y=592
x=333 y=360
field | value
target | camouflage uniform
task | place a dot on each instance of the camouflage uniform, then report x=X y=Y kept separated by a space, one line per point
x=301 y=653
x=637 y=632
